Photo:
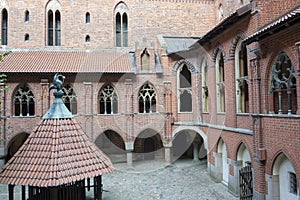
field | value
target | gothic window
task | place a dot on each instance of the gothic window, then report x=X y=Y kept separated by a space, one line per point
x=184 y=89
x=26 y=19
x=147 y=99
x=204 y=86
x=145 y=61
x=220 y=85
x=283 y=86
x=24 y=102
x=57 y=28
x=70 y=99
x=121 y=25
x=4 y=27
x=54 y=28
x=241 y=75
x=87 y=18
x=108 y=100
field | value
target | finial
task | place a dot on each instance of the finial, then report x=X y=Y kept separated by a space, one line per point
x=58 y=81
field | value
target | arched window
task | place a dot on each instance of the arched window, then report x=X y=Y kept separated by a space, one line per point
x=24 y=102
x=220 y=85
x=204 y=86
x=283 y=86
x=121 y=25
x=26 y=18
x=70 y=99
x=108 y=100
x=26 y=37
x=50 y=28
x=4 y=27
x=184 y=89
x=145 y=61
x=87 y=38
x=87 y=18
x=241 y=76
x=57 y=28
x=147 y=99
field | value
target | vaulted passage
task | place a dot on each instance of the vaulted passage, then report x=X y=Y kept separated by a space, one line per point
x=188 y=145
x=112 y=144
x=14 y=145
x=148 y=146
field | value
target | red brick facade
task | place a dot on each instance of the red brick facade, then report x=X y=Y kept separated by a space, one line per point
x=258 y=134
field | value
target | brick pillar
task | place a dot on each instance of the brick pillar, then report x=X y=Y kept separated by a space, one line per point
x=88 y=98
x=217 y=171
x=168 y=153
x=45 y=103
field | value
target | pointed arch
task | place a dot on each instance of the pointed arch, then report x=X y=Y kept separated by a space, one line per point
x=239 y=35
x=23 y=101
x=218 y=48
x=53 y=25
x=145 y=60
x=121 y=20
x=108 y=100
x=147 y=98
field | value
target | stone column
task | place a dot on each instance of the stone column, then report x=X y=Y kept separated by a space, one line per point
x=195 y=152
x=297 y=70
x=168 y=153
x=273 y=187
x=129 y=151
x=233 y=182
x=217 y=171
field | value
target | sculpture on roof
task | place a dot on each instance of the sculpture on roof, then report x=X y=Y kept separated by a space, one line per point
x=58 y=81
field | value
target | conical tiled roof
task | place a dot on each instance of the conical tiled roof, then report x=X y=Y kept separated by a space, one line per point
x=56 y=152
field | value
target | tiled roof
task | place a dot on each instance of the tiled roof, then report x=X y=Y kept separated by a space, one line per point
x=56 y=152
x=66 y=61
x=275 y=26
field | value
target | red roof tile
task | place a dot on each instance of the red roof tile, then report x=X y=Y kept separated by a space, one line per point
x=66 y=61
x=56 y=152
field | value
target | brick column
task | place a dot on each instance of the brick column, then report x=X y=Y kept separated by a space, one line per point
x=217 y=171
x=45 y=103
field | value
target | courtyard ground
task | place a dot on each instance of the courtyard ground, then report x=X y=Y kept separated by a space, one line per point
x=151 y=180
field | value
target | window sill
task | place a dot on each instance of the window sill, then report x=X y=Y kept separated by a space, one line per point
x=31 y=116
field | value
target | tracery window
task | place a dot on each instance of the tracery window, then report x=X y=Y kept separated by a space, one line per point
x=293 y=183
x=4 y=27
x=147 y=99
x=121 y=25
x=145 y=61
x=220 y=85
x=70 y=99
x=283 y=86
x=184 y=89
x=108 y=100
x=204 y=86
x=24 y=102
x=241 y=75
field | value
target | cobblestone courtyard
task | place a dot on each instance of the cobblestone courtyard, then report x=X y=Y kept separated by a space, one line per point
x=150 y=180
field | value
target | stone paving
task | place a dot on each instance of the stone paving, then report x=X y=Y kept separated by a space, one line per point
x=151 y=180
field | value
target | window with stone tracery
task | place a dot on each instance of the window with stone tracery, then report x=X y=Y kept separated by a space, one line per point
x=108 y=100
x=24 y=102
x=147 y=99
x=241 y=76
x=70 y=99
x=283 y=86
x=184 y=89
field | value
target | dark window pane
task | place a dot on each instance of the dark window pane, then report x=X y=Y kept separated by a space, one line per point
x=57 y=28
x=118 y=30
x=125 y=30
x=50 y=28
x=185 y=78
x=4 y=27
x=185 y=102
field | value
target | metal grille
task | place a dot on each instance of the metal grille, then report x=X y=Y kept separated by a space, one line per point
x=246 y=186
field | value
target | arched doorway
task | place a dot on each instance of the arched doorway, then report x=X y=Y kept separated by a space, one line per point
x=284 y=180
x=243 y=155
x=188 y=144
x=148 y=146
x=14 y=144
x=112 y=144
x=225 y=167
